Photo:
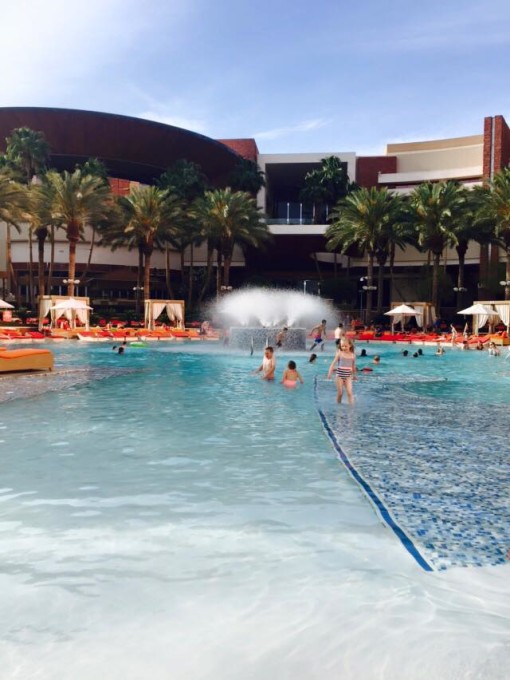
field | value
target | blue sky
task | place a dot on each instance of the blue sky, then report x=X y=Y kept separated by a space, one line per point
x=298 y=76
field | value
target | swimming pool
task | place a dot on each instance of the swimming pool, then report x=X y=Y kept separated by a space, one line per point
x=181 y=518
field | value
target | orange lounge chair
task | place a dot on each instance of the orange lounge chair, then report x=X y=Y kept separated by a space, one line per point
x=26 y=360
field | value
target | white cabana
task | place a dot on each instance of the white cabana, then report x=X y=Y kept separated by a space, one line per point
x=423 y=312
x=5 y=305
x=57 y=306
x=481 y=313
x=502 y=308
x=154 y=308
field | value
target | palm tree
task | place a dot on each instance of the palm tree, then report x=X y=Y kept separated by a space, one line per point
x=435 y=210
x=475 y=225
x=187 y=181
x=151 y=217
x=499 y=210
x=12 y=209
x=367 y=219
x=228 y=219
x=247 y=176
x=325 y=186
x=29 y=151
x=72 y=201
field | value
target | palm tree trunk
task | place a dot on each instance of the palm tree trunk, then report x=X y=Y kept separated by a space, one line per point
x=380 y=287
x=370 y=279
x=461 y=254
x=483 y=268
x=507 y=288
x=49 y=282
x=89 y=259
x=210 y=251
x=13 y=284
x=436 y=265
x=168 y=279
x=41 y=238
x=190 y=275
x=72 y=268
x=30 y=268
x=147 y=275
x=218 y=270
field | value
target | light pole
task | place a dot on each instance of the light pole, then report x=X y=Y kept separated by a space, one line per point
x=137 y=290
x=304 y=286
x=459 y=290
x=71 y=283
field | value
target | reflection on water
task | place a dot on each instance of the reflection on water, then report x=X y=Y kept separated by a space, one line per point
x=189 y=520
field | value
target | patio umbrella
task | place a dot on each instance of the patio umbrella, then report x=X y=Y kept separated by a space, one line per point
x=5 y=305
x=401 y=311
x=480 y=314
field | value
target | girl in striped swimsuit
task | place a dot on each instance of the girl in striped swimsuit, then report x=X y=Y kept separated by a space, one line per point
x=344 y=366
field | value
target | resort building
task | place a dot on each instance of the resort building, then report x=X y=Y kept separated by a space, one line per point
x=138 y=151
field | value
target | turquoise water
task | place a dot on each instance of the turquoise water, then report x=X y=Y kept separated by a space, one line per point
x=186 y=519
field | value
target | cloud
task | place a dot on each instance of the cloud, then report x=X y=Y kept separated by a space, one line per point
x=55 y=52
x=194 y=124
x=477 y=25
x=304 y=126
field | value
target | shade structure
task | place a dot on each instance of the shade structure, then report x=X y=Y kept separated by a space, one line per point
x=71 y=303
x=478 y=308
x=400 y=313
x=71 y=308
x=5 y=305
x=402 y=309
x=480 y=313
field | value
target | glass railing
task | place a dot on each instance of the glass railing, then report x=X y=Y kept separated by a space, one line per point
x=290 y=220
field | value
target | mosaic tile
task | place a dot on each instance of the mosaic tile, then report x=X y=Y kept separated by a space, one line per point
x=437 y=474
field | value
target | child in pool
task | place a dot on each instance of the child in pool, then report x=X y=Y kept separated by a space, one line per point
x=291 y=375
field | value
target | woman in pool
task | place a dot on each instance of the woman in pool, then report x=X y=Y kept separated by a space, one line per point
x=291 y=375
x=344 y=365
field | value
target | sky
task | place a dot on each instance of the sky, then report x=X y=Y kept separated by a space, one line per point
x=323 y=76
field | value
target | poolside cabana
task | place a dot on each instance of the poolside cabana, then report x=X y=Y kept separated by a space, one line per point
x=154 y=308
x=57 y=306
x=425 y=313
x=502 y=309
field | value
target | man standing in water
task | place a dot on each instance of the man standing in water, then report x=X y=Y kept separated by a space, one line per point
x=268 y=365
x=281 y=336
x=319 y=335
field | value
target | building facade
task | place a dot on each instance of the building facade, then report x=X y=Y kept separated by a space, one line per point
x=138 y=151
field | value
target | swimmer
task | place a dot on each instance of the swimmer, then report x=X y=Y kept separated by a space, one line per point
x=313 y=357
x=344 y=365
x=291 y=375
x=268 y=365
x=363 y=353
x=281 y=336
x=405 y=353
x=377 y=359
x=319 y=335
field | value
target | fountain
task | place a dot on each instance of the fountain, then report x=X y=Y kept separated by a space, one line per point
x=256 y=315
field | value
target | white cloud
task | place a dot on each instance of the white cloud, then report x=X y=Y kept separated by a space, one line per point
x=304 y=126
x=193 y=124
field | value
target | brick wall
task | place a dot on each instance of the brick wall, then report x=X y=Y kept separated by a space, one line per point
x=369 y=167
x=501 y=148
x=247 y=148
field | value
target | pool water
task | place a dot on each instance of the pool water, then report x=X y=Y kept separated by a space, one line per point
x=184 y=519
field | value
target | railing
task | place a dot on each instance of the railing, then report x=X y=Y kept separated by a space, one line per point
x=290 y=220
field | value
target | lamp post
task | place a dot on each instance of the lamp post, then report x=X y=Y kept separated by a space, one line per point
x=365 y=288
x=137 y=290
x=507 y=288
x=459 y=290
x=71 y=283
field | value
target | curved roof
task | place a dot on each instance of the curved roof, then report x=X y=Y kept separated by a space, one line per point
x=131 y=148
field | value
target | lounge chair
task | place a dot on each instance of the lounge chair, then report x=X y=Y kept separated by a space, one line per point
x=12 y=360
